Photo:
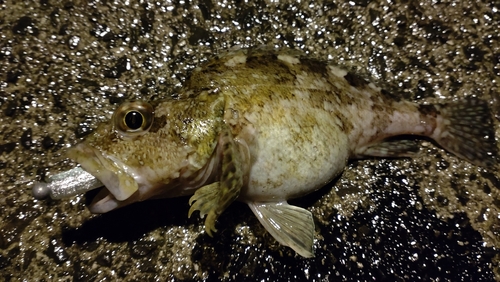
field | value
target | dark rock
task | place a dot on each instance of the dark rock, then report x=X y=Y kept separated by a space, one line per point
x=25 y=25
x=139 y=249
x=56 y=251
x=4 y=261
x=473 y=53
x=147 y=20
x=47 y=142
x=13 y=227
x=105 y=259
x=13 y=75
x=83 y=130
x=10 y=109
x=27 y=257
x=7 y=147
x=26 y=140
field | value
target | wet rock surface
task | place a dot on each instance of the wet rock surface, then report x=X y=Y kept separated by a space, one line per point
x=65 y=66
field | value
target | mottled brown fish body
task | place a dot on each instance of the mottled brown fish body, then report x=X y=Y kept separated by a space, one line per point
x=307 y=117
x=264 y=126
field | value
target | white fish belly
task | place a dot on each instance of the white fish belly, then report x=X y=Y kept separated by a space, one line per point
x=289 y=162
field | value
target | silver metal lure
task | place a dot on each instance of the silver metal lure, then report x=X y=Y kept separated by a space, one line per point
x=66 y=184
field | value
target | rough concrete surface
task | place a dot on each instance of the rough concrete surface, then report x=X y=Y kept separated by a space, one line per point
x=65 y=65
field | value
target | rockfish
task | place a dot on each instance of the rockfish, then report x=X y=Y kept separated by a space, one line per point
x=263 y=126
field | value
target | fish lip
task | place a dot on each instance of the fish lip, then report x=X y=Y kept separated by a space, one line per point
x=111 y=172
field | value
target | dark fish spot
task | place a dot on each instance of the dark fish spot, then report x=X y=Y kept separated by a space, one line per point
x=355 y=80
x=228 y=158
x=187 y=121
x=158 y=123
x=391 y=96
x=428 y=110
x=256 y=61
x=68 y=5
x=314 y=65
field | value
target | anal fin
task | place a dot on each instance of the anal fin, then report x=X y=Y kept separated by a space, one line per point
x=390 y=148
x=291 y=226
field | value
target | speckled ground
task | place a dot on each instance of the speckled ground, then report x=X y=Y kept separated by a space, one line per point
x=65 y=67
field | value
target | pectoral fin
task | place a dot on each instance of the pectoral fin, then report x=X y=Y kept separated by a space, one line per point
x=289 y=225
x=206 y=200
x=213 y=199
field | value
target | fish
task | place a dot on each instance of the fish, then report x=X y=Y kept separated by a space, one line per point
x=262 y=126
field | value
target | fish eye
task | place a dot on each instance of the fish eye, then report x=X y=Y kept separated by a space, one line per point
x=133 y=118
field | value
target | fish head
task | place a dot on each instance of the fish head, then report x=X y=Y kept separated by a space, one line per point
x=147 y=150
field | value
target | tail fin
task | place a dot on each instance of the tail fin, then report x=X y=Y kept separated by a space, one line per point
x=465 y=128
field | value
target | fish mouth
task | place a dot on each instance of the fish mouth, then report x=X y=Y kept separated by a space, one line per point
x=113 y=174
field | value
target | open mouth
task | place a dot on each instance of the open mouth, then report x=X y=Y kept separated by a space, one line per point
x=112 y=173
